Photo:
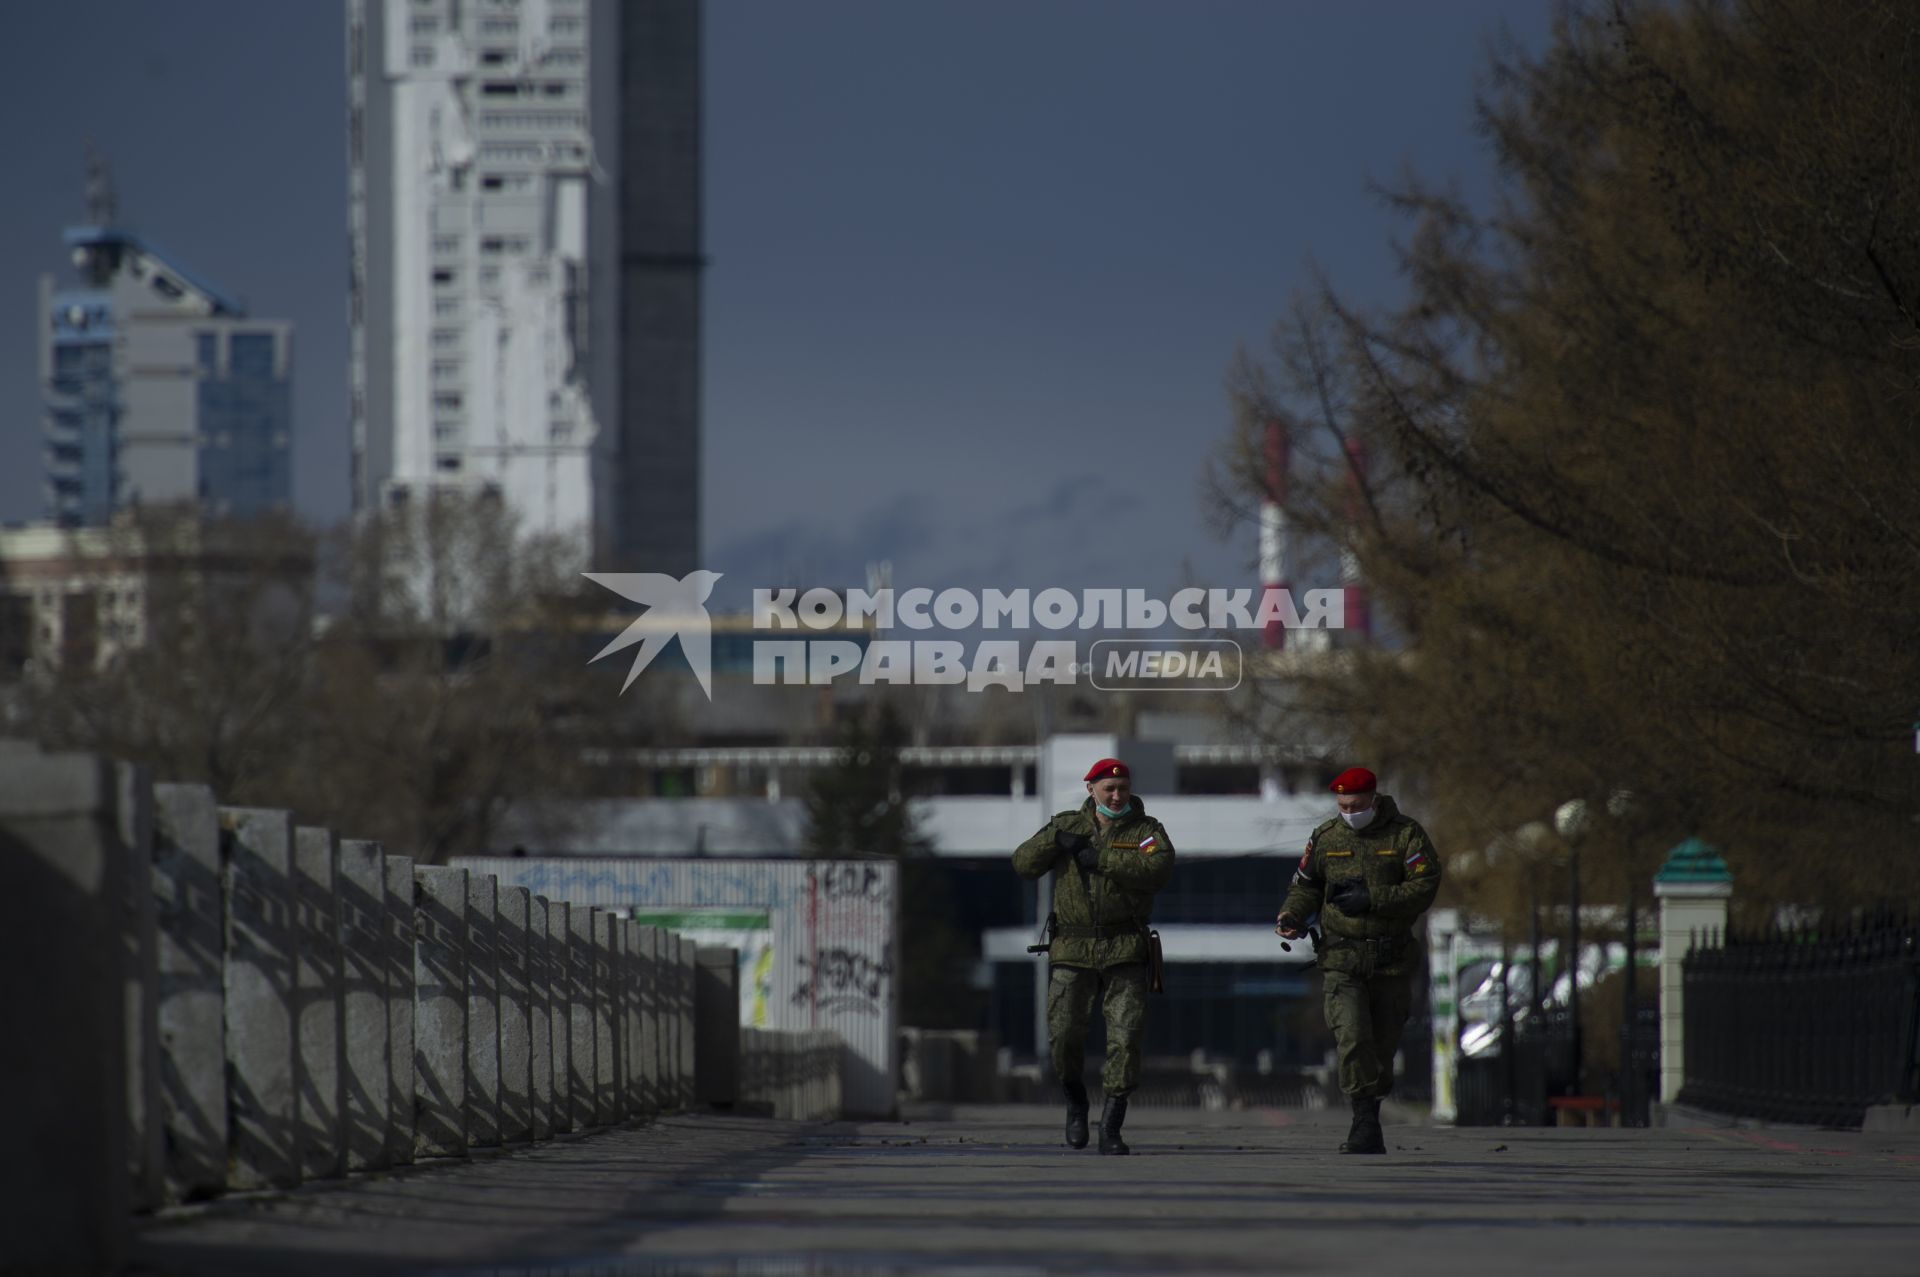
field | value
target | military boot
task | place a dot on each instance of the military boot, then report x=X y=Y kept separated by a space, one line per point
x=1111 y=1116
x=1365 y=1136
x=1076 y=1113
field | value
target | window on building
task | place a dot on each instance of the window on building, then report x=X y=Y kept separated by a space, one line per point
x=447 y=462
x=442 y=275
x=250 y=355
x=421 y=56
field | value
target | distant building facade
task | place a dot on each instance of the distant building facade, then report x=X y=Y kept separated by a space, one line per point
x=76 y=598
x=156 y=388
x=525 y=267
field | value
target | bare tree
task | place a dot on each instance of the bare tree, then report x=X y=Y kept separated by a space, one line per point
x=1642 y=501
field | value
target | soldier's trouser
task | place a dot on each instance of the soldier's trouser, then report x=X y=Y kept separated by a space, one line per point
x=1070 y=995
x=1366 y=1014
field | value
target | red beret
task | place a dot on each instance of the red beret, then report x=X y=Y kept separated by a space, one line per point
x=1108 y=767
x=1354 y=780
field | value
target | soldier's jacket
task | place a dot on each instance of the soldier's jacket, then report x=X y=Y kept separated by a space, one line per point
x=1402 y=871
x=1136 y=859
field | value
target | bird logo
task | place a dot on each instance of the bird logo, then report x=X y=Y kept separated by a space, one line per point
x=675 y=608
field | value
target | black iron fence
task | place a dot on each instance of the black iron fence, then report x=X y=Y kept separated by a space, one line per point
x=1516 y=1084
x=1806 y=1026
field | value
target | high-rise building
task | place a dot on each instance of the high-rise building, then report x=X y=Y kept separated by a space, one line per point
x=156 y=388
x=525 y=269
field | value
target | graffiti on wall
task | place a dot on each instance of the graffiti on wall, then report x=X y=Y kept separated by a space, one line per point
x=842 y=979
x=818 y=948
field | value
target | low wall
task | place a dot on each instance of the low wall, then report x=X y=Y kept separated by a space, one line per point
x=212 y=1000
x=791 y=1074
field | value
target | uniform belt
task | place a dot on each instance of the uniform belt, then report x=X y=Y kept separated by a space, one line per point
x=1379 y=946
x=1073 y=931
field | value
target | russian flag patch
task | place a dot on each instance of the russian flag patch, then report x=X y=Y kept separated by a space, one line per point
x=1148 y=843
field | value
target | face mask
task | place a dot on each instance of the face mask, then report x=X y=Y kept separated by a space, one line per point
x=1358 y=819
x=1109 y=812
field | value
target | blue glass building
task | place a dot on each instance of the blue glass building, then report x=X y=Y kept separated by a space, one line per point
x=157 y=388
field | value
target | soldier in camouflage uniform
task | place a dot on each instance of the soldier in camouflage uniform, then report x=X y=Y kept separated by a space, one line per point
x=1369 y=873
x=1108 y=858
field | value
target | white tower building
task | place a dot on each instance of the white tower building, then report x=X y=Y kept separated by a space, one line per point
x=525 y=264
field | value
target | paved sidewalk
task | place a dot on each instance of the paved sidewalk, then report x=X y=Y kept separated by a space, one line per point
x=991 y=1191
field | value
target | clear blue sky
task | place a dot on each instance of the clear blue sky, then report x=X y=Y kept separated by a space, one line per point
x=978 y=266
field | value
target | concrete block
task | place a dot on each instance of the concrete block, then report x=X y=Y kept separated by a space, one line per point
x=440 y=1012
x=580 y=993
x=189 y=955
x=64 y=1188
x=1892 y=1119
x=606 y=1046
x=716 y=1012
x=560 y=1003
x=319 y=1026
x=483 y=1011
x=632 y=1101
x=668 y=977
x=146 y=1136
x=516 y=1053
x=397 y=944
x=260 y=945
x=684 y=1029
x=651 y=1057
x=539 y=1021
x=367 y=1077
x=653 y=1019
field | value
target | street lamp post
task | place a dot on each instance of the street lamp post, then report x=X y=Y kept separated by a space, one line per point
x=1570 y=819
x=1625 y=809
x=1533 y=836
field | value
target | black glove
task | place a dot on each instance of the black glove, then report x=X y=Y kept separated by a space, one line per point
x=1080 y=847
x=1350 y=897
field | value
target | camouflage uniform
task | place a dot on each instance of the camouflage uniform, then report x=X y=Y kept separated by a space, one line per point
x=1368 y=958
x=1100 y=943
